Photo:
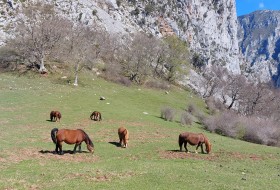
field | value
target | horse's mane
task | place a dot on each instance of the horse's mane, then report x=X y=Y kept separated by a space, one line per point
x=87 y=138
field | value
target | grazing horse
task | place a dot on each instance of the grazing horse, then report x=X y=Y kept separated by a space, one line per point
x=96 y=116
x=123 y=136
x=70 y=137
x=194 y=139
x=54 y=115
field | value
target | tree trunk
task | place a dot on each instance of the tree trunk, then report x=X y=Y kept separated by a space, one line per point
x=42 y=66
x=76 y=74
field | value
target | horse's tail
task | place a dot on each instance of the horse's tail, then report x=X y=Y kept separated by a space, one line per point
x=126 y=134
x=51 y=115
x=180 y=141
x=100 y=117
x=53 y=135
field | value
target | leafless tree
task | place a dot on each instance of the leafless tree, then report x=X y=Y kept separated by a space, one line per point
x=137 y=59
x=255 y=98
x=212 y=80
x=234 y=88
x=38 y=33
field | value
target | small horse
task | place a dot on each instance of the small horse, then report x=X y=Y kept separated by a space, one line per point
x=54 y=115
x=70 y=137
x=194 y=139
x=96 y=116
x=123 y=136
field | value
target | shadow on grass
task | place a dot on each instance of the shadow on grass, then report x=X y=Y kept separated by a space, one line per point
x=64 y=152
x=49 y=120
x=173 y=151
x=117 y=144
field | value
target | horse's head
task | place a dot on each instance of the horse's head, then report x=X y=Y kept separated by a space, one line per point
x=208 y=146
x=90 y=148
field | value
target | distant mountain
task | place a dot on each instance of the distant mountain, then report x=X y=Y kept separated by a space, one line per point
x=259 y=42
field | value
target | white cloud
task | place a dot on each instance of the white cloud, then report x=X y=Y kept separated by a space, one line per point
x=261 y=5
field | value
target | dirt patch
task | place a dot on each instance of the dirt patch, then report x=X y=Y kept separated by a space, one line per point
x=219 y=155
x=17 y=156
x=100 y=176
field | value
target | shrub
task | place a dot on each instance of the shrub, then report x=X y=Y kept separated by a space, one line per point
x=157 y=84
x=149 y=9
x=251 y=129
x=192 y=109
x=119 y=2
x=213 y=106
x=167 y=113
x=94 y=12
x=186 y=119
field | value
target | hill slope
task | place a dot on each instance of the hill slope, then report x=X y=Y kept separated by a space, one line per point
x=151 y=161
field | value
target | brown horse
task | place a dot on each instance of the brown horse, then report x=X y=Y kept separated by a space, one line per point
x=123 y=136
x=96 y=116
x=54 y=115
x=70 y=137
x=194 y=139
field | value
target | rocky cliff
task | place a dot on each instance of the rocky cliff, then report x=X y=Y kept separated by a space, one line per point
x=209 y=26
x=259 y=41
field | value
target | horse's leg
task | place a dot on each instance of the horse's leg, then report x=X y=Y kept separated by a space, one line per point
x=185 y=145
x=202 y=148
x=80 y=148
x=74 y=151
x=120 y=141
x=180 y=145
x=60 y=148
x=198 y=145
x=56 y=148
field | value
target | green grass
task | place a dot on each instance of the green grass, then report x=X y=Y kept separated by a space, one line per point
x=151 y=161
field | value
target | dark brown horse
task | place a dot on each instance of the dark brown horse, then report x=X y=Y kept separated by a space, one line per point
x=55 y=115
x=194 y=139
x=70 y=137
x=96 y=116
x=123 y=136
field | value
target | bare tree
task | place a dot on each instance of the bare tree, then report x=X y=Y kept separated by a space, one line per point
x=82 y=47
x=38 y=33
x=234 y=88
x=255 y=98
x=212 y=80
x=137 y=59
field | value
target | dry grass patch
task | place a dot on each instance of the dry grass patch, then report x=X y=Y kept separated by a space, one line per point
x=100 y=176
x=214 y=156
x=19 y=155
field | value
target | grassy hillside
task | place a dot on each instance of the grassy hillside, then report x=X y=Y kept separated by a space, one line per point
x=151 y=161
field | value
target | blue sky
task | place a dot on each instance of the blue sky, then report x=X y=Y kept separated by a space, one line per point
x=247 y=6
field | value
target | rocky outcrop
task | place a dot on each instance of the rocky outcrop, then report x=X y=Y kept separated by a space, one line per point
x=209 y=26
x=259 y=41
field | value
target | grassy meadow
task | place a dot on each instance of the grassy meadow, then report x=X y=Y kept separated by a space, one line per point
x=152 y=159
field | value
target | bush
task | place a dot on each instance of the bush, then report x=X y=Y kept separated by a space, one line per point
x=157 y=84
x=167 y=113
x=149 y=8
x=119 y=2
x=251 y=129
x=94 y=12
x=214 y=106
x=192 y=109
x=186 y=119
